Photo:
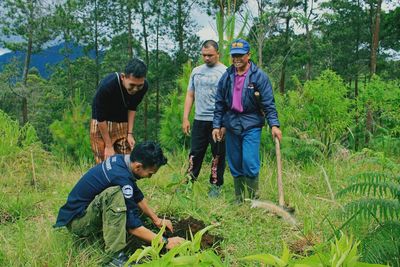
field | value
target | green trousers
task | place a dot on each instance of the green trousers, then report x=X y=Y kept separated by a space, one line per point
x=106 y=214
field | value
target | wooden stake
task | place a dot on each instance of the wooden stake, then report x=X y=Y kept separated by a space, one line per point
x=279 y=165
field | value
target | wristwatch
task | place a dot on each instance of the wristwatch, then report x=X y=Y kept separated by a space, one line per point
x=165 y=240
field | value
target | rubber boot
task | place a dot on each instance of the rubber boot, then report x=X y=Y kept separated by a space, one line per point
x=252 y=187
x=239 y=183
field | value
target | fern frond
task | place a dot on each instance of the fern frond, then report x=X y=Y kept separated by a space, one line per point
x=382 y=245
x=384 y=209
x=373 y=184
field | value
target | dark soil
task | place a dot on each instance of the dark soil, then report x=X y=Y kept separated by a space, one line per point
x=183 y=228
x=5 y=217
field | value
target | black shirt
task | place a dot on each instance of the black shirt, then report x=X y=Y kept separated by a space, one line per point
x=108 y=103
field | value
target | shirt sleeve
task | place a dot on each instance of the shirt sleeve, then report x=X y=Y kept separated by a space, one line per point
x=132 y=195
x=191 y=81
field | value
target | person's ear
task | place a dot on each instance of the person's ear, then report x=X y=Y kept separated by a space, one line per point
x=136 y=166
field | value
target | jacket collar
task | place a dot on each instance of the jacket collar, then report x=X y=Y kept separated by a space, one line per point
x=127 y=160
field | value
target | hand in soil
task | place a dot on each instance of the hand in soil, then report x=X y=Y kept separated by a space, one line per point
x=167 y=223
x=174 y=241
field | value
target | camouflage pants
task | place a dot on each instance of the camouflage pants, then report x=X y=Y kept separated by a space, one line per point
x=106 y=214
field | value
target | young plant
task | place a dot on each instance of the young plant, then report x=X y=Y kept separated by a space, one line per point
x=188 y=253
x=343 y=252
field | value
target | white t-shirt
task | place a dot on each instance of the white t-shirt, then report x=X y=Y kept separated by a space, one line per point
x=204 y=82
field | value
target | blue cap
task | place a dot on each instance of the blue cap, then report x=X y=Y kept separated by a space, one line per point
x=240 y=46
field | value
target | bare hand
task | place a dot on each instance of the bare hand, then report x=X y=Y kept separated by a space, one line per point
x=222 y=133
x=131 y=140
x=108 y=152
x=186 y=126
x=276 y=132
x=168 y=224
x=216 y=135
x=174 y=241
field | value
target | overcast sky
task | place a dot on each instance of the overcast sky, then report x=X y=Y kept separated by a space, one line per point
x=207 y=24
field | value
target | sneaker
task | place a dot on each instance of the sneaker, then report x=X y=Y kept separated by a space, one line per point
x=214 y=191
x=118 y=261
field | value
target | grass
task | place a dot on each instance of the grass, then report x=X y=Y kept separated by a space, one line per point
x=28 y=211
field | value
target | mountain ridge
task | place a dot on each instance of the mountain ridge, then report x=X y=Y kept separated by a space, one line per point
x=49 y=56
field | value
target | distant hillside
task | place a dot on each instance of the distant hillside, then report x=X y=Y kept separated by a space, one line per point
x=49 y=56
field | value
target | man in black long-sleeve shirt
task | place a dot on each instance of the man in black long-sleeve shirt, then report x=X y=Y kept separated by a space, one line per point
x=114 y=110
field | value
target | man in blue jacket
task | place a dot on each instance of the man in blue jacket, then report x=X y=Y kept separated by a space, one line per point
x=107 y=200
x=244 y=101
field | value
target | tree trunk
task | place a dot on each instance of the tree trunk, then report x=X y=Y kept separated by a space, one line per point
x=374 y=48
x=25 y=74
x=308 y=38
x=375 y=37
x=157 y=70
x=130 y=46
x=283 y=69
x=146 y=99
x=96 y=42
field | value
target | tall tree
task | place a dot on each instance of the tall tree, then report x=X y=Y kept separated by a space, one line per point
x=182 y=28
x=375 y=33
x=289 y=5
x=26 y=22
x=93 y=14
x=67 y=28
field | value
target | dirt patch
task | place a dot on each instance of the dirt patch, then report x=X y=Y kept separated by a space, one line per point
x=5 y=217
x=183 y=228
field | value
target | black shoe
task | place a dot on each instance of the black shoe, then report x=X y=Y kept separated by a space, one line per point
x=118 y=261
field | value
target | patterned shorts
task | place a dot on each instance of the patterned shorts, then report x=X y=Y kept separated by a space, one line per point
x=118 y=134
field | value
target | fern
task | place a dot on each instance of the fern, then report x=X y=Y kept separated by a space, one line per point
x=388 y=237
x=384 y=209
x=373 y=184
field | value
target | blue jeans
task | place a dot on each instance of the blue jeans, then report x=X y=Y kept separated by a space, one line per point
x=242 y=152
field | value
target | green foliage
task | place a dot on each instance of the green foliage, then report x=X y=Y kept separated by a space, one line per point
x=187 y=253
x=381 y=196
x=343 y=252
x=317 y=115
x=14 y=138
x=383 y=99
x=71 y=134
x=171 y=135
x=271 y=259
x=382 y=244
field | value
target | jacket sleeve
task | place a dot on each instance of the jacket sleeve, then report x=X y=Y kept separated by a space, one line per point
x=268 y=102
x=220 y=104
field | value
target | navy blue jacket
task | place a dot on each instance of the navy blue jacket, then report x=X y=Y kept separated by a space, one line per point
x=112 y=172
x=251 y=117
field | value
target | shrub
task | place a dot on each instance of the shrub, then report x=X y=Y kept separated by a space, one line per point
x=71 y=134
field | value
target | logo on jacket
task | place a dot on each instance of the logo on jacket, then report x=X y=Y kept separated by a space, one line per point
x=127 y=190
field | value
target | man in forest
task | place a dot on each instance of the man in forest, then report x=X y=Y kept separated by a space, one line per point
x=106 y=201
x=244 y=101
x=202 y=90
x=114 y=110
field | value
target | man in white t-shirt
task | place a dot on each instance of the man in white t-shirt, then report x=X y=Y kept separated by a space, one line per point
x=202 y=90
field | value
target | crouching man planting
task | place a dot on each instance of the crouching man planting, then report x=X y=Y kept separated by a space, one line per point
x=107 y=200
